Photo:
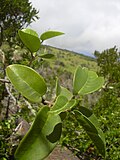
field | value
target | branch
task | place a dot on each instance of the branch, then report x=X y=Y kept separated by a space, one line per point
x=10 y=94
x=30 y=107
x=4 y=81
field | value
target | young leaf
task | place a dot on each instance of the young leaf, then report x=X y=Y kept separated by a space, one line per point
x=63 y=91
x=39 y=141
x=50 y=34
x=86 y=81
x=90 y=123
x=62 y=104
x=27 y=81
x=30 y=38
x=67 y=107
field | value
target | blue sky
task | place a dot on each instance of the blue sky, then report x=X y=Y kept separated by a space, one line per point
x=88 y=25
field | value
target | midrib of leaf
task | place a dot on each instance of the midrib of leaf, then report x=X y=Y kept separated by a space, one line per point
x=26 y=83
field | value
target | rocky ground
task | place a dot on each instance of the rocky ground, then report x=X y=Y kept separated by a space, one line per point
x=61 y=154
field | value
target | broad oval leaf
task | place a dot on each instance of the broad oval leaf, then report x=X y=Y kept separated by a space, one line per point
x=27 y=81
x=47 y=56
x=90 y=123
x=39 y=141
x=30 y=38
x=50 y=34
x=86 y=81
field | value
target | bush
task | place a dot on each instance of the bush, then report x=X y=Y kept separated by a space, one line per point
x=46 y=129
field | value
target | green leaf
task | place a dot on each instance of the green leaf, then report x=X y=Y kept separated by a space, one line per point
x=50 y=34
x=63 y=91
x=58 y=87
x=30 y=38
x=63 y=115
x=62 y=104
x=86 y=81
x=39 y=141
x=47 y=56
x=90 y=123
x=56 y=134
x=27 y=81
x=59 y=103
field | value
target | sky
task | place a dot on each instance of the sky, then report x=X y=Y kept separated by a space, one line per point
x=88 y=25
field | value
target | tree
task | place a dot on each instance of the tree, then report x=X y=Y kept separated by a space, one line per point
x=14 y=14
x=109 y=63
x=108 y=106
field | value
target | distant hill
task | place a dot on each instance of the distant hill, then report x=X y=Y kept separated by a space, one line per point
x=69 y=60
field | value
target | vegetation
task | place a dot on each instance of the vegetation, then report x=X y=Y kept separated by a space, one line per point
x=73 y=137
x=51 y=118
x=14 y=15
x=69 y=60
x=106 y=105
x=63 y=97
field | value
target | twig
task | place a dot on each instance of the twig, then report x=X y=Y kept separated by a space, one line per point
x=4 y=81
x=30 y=107
x=45 y=102
x=10 y=94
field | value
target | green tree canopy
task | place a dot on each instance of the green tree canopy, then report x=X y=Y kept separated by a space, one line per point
x=14 y=14
x=109 y=63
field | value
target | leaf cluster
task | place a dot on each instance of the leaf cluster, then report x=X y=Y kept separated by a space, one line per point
x=32 y=86
x=46 y=129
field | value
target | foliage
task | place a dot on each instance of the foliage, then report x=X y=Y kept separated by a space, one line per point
x=61 y=105
x=69 y=60
x=46 y=129
x=13 y=104
x=109 y=63
x=18 y=74
x=14 y=14
x=75 y=139
x=40 y=136
x=83 y=81
x=107 y=109
x=108 y=106
x=6 y=146
x=90 y=124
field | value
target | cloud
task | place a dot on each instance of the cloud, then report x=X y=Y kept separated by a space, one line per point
x=88 y=25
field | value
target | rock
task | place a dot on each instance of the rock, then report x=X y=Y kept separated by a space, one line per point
x=61 y=153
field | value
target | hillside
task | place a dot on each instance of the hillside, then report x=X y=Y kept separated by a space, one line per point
x=69 y=60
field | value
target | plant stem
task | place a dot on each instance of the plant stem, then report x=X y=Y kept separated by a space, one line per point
x=4 y=81
x=7 y=109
